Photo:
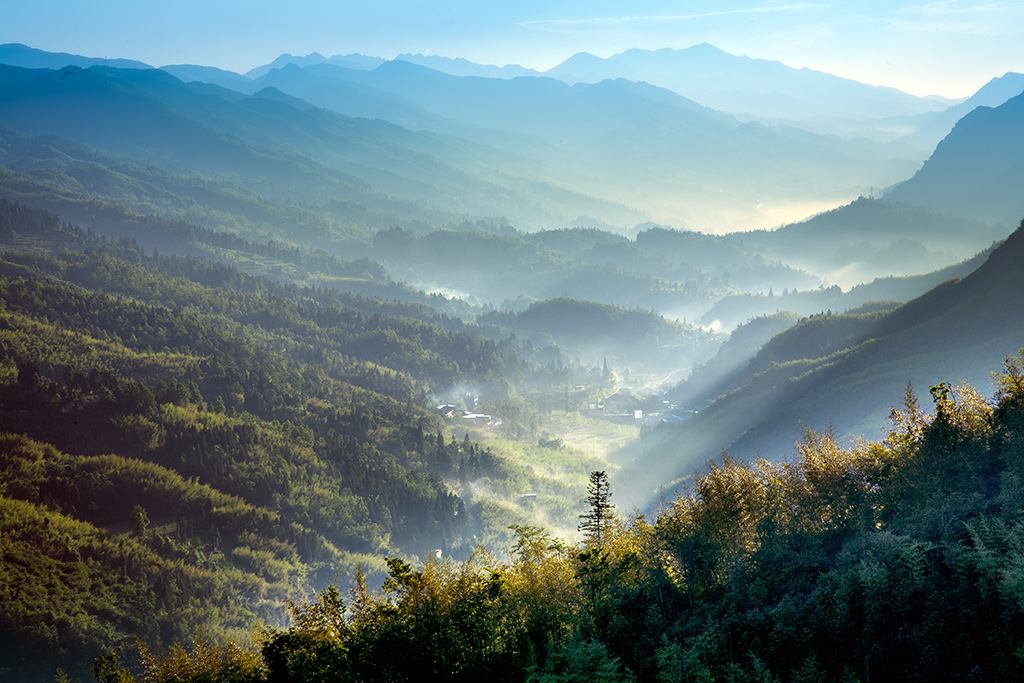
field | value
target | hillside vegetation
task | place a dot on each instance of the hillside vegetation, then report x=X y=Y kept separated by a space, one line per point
x=328 y=372
x=826 y=372
x=188 y=447
x=862 y=564
x=600 y=332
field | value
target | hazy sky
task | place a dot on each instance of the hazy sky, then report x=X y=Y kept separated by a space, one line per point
x=947 y=47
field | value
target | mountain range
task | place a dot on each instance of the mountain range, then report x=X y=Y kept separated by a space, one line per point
x=535 y=125
x=350 y=61
x=403 y=140
x=276 y=145
x=705 y=73
x=260 y=330
x=744 y=85
x=643 y=150
x=760 y=88
x=457 y=66
x=823 y=372
x=634 y=143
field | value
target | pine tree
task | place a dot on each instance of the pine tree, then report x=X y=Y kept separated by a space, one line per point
x=140 y=521
x=362 y=602
x=600 y=509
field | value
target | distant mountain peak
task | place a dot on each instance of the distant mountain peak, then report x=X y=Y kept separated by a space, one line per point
x=587 y=56
x=746 y=85
x=708 y=47
x=352 y=61
x=403 y=66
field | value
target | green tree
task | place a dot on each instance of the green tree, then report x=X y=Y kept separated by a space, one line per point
x=108 y=669
x=600 y=511
x=140 y=521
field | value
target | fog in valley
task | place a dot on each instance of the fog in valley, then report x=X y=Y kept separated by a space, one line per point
x=400 y=329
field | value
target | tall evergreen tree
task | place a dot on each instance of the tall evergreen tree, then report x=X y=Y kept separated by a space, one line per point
x=600 y=510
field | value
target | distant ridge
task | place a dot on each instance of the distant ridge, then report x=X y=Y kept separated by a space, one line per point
x=457 y=66
x=209 y=74
x=744 y=85
x=17 y=54
x=977 y=170
x=932 y=127
x=349 y=61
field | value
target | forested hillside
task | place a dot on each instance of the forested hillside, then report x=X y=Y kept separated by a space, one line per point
x=182 y=436
x=718 y=374
x=825 y=372
x=601 y=334
x=872 y=238
x=346 y=368
x=279 y=147
x=897 y=560
x=677 y=273
x=673 y=272
x=735 y=309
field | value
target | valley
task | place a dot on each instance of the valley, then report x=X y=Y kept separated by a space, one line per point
x=578 y=373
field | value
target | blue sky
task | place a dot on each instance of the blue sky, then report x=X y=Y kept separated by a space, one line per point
x=948 y=47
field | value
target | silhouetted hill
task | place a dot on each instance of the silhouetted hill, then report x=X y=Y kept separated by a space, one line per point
x=825 y=373
x=927 y=130
x=210 y=74
x=16 y=54
x=977 y=170
x=511 y=269
x=318 y=85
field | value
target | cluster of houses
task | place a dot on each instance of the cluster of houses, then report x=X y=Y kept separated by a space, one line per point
x=626 y=407
x=623 y=406
x=452 y=413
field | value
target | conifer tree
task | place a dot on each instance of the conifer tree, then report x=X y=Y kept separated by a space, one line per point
x=600 y=509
